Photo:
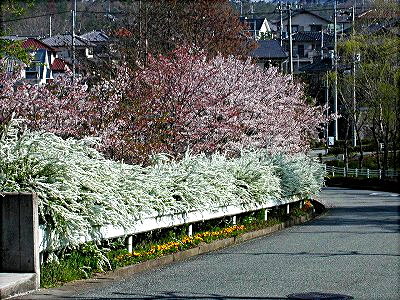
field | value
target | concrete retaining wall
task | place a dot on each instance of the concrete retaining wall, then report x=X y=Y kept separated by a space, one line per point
x=19 y=244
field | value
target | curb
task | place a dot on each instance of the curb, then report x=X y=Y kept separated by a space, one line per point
x=202 y=249
x=14 y=283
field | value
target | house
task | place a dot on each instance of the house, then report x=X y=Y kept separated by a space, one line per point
x=45 y=65
x=308 y=45
x=60 y=67
x=99 y=39
x=269 y=53
x=257 y=28
x=43 y=56
x=62 y=43
x=302 y=20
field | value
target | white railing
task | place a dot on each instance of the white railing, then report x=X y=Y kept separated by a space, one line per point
x=368 y=173
x=49 y=241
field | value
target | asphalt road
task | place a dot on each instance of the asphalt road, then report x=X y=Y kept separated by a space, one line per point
x=353 y=250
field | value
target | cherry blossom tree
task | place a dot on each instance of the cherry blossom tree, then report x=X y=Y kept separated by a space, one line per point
x=225 y=104
x=177 y=102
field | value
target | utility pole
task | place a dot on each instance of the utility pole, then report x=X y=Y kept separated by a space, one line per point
x=335 y=89
x=146 y=42
x=327 y=110
x=290 y=40
x=354 y=83
x=322 y=44
x=281 y=22
x=50 y=21
x=73 y=44
x=73 y=40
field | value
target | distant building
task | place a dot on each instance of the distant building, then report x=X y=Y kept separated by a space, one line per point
x=257 y=28
x=307 y=46
x=39 y=70
x=269 y=53
x=45 y=64
x=99 y=39
x=302 y=20
x=62 y=43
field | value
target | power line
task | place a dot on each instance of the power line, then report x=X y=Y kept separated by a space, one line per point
x=125 y=13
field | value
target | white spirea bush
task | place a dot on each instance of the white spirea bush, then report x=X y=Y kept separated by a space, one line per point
x=78 y=189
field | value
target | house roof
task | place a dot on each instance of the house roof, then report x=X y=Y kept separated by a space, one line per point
x=304 y=11
x=62 y=40
x=59 y=65
x=322 y=65
x=252 y=22
x=95 y=36
x=272 y=26
x=32 y=43
x=309 y=36
x=17 y=37
x=384 y=26
x=28 y=42
x=268 y=49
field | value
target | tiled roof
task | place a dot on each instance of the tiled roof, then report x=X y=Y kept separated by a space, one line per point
x=268 y=49
x=59 y=65
x=62 y=40
x=32 y=43
x=322 y=65
x=384 y=26
x=318 y=66
x=95 y=36
x=309 y=36
x=16 y=37
x=304 y=11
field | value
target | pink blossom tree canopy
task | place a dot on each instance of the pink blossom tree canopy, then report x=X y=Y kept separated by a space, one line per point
x=177 y=102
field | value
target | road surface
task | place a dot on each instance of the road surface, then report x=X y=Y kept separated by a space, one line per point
x=352 y=250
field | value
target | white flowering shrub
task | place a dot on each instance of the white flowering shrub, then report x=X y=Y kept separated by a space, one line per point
x=78 y=189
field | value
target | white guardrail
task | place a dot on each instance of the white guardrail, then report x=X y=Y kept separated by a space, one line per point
x=368 y=173
x=149 y=223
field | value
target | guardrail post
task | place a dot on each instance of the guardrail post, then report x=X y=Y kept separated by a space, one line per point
x=129 y=243
x=367 y=173
x=190 y=230
x=380 y=174
x=287 y=209
x=356 y=172
x=234 y=220
x=301 y=203
x=266 y=215
x=344 y=172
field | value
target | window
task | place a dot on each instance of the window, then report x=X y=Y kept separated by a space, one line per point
x=295 y=28
x=300 y=50
x=314 y=27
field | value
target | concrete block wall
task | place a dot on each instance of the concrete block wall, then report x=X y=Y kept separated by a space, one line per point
x=19 y=239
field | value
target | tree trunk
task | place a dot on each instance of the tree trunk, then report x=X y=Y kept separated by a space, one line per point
x=360 y=149
x=385 y=162
x=378 y=159
x=346 y=149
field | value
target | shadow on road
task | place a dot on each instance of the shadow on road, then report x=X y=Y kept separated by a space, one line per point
x=385 y=217
x=177 y=296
